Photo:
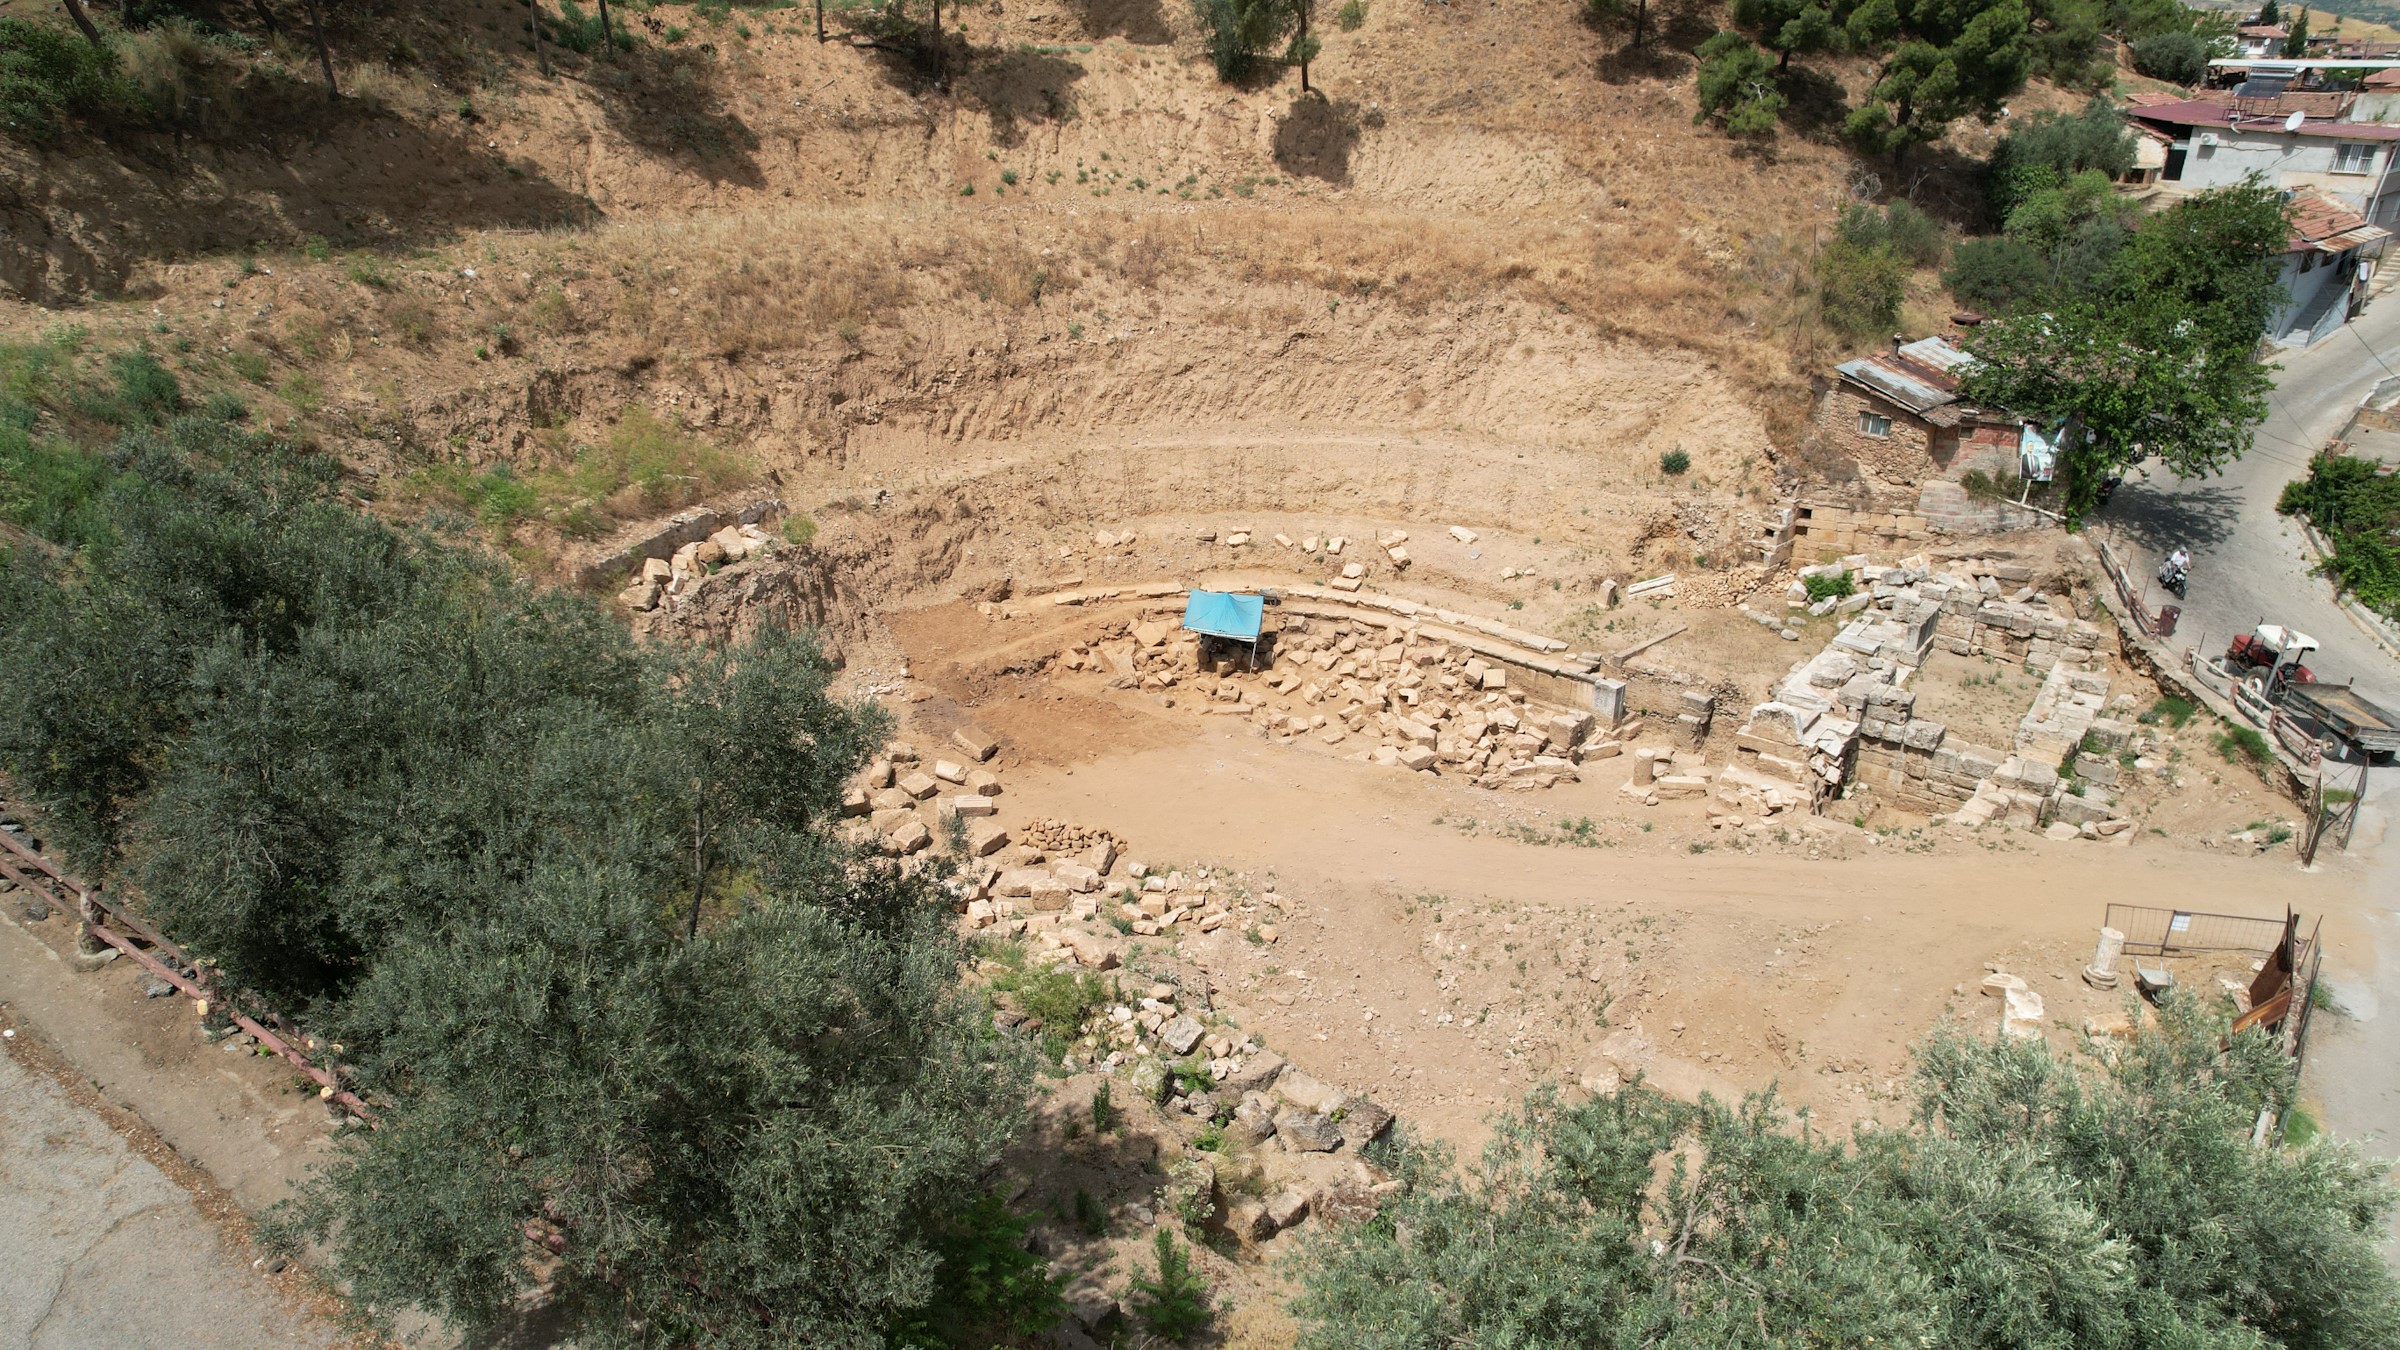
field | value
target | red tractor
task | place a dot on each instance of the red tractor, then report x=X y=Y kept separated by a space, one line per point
x=2271 y=654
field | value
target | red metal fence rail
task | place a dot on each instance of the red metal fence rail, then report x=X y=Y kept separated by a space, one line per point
x=107 y=921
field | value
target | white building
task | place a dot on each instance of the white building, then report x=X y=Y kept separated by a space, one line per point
x=2325 y=270
x=2260 y=39
x=2212 y=145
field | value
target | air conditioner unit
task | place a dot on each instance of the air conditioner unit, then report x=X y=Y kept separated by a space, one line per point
x=2208 y=140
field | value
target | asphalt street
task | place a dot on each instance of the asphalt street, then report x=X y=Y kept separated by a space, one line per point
x=2251 y=565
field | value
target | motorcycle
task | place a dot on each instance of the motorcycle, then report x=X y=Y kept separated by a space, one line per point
x=2171 y=575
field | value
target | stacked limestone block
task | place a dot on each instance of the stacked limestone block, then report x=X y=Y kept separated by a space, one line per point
x=1846 y=715
x=1386 y=694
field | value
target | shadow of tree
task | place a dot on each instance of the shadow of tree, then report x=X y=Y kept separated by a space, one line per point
x=284 y=165
x=1315 y=137
x=1137 y=21
x=1946 y=183
x=2158 y=515
x=666 y=101
x=1018 y=86
x=1670 y=31
x=1814 y=105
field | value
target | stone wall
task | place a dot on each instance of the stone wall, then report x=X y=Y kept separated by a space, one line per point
x=1821 y=527
x=1914 y=451
x=1846 y=717
x=687 y=527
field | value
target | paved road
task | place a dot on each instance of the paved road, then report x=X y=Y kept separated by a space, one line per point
x=2250 y=564
x=99 y=1250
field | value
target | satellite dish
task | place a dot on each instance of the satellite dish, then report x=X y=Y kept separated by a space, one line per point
x=2292 y=123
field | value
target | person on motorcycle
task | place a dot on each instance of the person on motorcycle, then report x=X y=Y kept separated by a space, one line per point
x=2171 y=573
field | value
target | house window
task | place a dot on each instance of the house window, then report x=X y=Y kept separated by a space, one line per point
x=2353 y=157
x=1871 y=425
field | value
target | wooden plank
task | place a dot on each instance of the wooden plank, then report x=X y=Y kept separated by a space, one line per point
x=1647 y=643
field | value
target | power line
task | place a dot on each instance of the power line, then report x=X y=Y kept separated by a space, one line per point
x=2352 y=330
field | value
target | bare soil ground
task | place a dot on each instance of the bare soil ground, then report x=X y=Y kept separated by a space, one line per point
x=1447 y=947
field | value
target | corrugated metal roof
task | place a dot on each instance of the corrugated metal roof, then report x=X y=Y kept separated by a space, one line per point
x=2194 y=113
x=1919 y=376
x=2350 y=239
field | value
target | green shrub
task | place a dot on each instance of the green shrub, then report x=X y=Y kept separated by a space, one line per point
x=2048 y=148
x=2050 y=1197
x=1997 y=275
x=800 y=529
x=1239 y=33
x=2177 y=58
x=1910 y=234
x=1173 y=1303
x=2175 y=711
x=145 y=389
x=1351 y=15
x=2357 y=507
x=987 y=1286
x=1063 y=1001
x=1834 y=586
x=1737 y=86
x=1674 y=461
x=48 y=486
x=2243 y=744
x=48 y=73
x=578 y=31
x=1860 y=287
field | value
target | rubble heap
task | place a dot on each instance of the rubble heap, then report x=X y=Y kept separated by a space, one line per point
x=1070 y=893
x=680 y=575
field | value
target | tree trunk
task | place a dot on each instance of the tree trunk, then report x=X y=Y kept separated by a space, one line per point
x=820 y=20
x=316 y=29
x=941 y=56
x=608 y=35
x=84 y=22
x=266 y=18
x=1786 y=62
x=699 y=865
x=1305 y=7
x=533 y=25
x=1641 y=15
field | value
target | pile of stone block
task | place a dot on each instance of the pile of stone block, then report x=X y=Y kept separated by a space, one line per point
x=909 y=802
x=1399 y=696
x=661 y=581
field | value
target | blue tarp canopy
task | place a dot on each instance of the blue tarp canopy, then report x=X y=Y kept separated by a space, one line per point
x=1228 y=616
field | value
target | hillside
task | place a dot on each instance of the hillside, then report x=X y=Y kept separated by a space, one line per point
x=1490 y=242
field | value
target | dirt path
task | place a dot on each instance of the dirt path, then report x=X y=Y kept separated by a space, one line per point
x=248 y=1122
x=1439 y=957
